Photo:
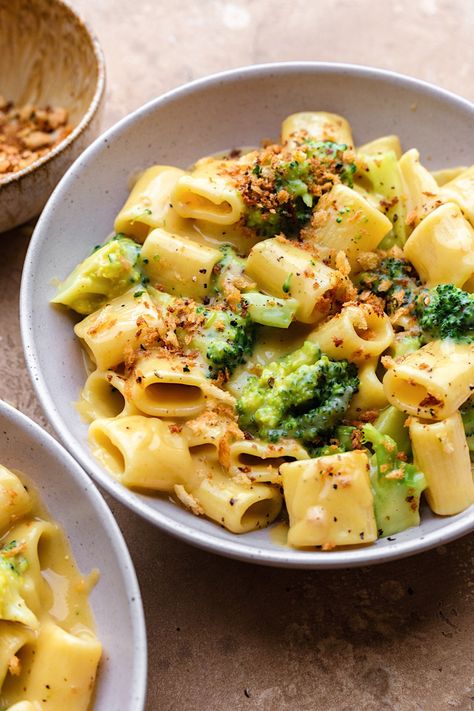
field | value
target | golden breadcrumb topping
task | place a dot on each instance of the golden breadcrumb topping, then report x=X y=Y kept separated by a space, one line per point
x=28 y=133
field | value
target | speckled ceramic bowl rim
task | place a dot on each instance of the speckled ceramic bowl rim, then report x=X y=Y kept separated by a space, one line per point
x=236 y=548
x=39 y=436
x=91 y=110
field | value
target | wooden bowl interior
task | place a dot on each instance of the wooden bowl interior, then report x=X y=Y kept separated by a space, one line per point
x=48 y=56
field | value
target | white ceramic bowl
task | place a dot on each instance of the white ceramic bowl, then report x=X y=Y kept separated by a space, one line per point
x=231 y=109
x=74 y=502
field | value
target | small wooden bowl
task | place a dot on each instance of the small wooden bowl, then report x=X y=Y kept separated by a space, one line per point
x=49 y=57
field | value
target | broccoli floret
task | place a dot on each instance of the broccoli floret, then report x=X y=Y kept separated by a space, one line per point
x=467 y=414
x=395 y=281
x=108 y=272
x=292 y=186
x=303 y=396
x=12 y=605
x=333 y=153
x=446 y=312
x=340 y=442
x=397 y=486
x=224 y=339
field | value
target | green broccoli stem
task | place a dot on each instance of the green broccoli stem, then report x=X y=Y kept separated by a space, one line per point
x=230 y=267
x=270 y=311
x=391 y=422
x=384 y=175
x=405 y=343
x=397 y=486
x=470 y=442
x=467 y=414
x=384 y=447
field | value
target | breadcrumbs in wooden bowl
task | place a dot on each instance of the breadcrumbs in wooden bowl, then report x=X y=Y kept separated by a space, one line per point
x=51 y=91
x=28 y=133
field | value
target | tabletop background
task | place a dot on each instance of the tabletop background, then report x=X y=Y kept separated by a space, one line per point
x=226 y=635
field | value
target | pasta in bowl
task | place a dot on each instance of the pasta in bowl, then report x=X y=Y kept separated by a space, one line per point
x=35 y=565
x=58 y=638
x=248 y=327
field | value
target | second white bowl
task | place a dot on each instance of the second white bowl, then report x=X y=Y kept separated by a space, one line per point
x=96 y=541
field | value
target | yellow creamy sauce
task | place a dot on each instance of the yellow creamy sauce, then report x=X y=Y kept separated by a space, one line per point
x=57 y=593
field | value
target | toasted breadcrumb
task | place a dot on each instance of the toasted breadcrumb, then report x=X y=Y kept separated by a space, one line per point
x=188 y=500
x=14 y=666
x=28 y=133
x=259 y=188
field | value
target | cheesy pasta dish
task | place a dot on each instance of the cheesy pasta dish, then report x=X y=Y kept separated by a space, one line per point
x=49 y=652
x=287 y=331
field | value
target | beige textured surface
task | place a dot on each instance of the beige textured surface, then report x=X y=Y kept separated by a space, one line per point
x=224 y=635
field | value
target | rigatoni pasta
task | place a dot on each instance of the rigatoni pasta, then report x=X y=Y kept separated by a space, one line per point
x=208 y=195
x=284 y=332
x=330 y=502
x=345 y=220
x=178 y=265
x=441 y=248
x=149 y=204
x=441 y=451
x=358 y=332
x=281 y=269
x=432 y=382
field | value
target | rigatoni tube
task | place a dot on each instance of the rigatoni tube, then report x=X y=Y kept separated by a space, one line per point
x=63 y=668
x=179 y=265
x=420 y=188
x=441 y=453
x=441 y=248
x=260 y=461
x=370 y=395
x=329 y=501
x=15 y=501
x=102 y=396
x=68 y=662
x=319 y=125
x=239 y=507
x=460 y=189
x=208 y=194
x=118 y=325
x=171 y=387
x=148 y=205
x=283 y=270
x=344 y=220
x=357 y=333
x=141 y=451
x=433 y=382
